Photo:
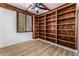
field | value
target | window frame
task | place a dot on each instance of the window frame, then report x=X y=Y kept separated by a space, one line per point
x=25 y=23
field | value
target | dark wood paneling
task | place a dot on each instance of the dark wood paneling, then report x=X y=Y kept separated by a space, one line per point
x=13 y=8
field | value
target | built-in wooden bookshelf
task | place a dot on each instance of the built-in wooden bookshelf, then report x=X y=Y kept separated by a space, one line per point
x=66 y=26
x=60 y=26
x=42 y=29
x=51 y=27
x=36 y=27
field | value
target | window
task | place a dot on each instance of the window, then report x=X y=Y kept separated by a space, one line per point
x=24 y=23
x=29 y=23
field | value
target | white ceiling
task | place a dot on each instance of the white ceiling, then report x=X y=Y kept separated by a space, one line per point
x=24 y=6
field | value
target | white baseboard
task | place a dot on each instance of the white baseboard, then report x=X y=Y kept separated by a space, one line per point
x=58 y=45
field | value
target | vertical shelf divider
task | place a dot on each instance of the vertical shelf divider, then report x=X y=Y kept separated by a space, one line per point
x=56 y=26
x=76 y=29
x=45 y=26
x=33 y=34
x=38 y=27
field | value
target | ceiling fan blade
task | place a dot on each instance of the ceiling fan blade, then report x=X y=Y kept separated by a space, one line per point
x=33 y=8
x=43 y=8
x=29 y=5
x=35 y=5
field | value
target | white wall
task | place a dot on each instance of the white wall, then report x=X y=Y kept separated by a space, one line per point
x=8 y=33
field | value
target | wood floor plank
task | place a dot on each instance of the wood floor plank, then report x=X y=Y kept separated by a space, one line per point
x=35 y=48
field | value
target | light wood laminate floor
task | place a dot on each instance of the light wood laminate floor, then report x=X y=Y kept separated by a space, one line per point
x=35 y=48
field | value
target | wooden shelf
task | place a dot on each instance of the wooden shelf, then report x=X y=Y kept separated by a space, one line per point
x=41 y=25
x=51 y=16
x=66 y=35
x=65 y=29
x=51 y=21
x=67 y=18
x=67 y=11
x=41 y=18
x=51 y=37
x=51 y=25
x=41 y=29
x=50 y=29
x=42 y=22
x=42 y=36
x=36 y=31
x=67 y=24
x=41 y=32
x=51 y=33
x=36 y=25
x=66 y=41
